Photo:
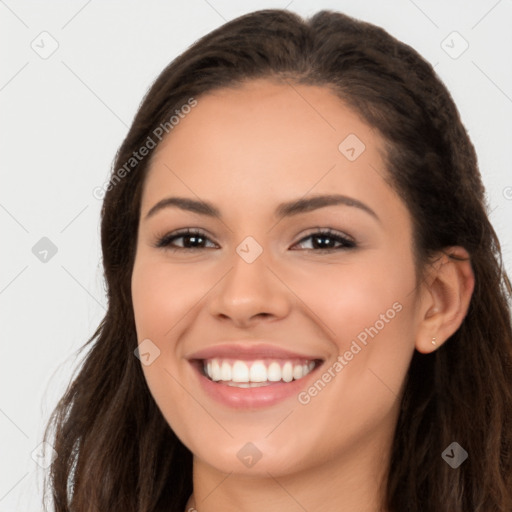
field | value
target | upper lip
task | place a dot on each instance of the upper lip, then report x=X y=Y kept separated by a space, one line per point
x=249 y=352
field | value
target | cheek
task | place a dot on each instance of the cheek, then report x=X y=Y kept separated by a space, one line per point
x=367 y=312
x=164 y=294
x=342 y=302
x=364 y=292
x=149 y=293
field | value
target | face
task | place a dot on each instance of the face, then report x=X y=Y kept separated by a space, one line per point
x=277 y=333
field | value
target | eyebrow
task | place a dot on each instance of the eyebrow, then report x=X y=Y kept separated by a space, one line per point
x=286 y=209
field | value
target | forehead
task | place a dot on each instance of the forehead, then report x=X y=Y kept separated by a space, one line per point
x=265 y=115
x=266 y=139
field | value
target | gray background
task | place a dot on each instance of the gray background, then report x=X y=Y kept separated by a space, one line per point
x=64 y=116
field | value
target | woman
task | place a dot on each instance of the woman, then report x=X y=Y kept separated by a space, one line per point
x=307 y=304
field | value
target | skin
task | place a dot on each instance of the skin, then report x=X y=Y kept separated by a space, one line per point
x=246 y=150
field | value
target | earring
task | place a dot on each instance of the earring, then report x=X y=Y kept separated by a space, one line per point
x=433 y=341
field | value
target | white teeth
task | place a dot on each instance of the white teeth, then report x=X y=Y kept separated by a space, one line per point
x=215 y=370
x=240 y=372
x=274 y=372
x=297 y=372
x=287 y=372
x=256 y=373
x=225 y=371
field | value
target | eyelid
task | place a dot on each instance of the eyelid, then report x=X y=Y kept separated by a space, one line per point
x=168 y=236
x=331 y=231
x=346 y=241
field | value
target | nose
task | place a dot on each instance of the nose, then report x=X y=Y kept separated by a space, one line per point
x=249 y=291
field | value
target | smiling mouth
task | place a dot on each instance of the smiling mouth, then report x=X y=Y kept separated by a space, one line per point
x=255 y=373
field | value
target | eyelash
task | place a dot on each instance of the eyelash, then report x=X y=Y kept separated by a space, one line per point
x=164 y=242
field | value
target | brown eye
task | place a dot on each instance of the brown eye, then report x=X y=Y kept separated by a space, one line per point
x=327 y=240
x=192 y=240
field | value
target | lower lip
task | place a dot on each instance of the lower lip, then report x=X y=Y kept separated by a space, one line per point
x=262 y=396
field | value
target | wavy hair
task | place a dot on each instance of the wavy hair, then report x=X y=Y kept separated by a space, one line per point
x=115 y=449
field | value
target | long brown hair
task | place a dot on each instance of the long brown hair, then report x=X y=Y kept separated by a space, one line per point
x=115 y=449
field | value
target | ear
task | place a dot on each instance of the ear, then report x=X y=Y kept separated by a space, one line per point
x=445 y=298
